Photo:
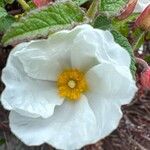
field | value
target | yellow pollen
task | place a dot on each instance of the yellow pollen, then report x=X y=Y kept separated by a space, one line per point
x=71 y=84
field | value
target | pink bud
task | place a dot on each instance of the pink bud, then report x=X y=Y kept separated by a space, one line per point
x=40 y=3
x=145 y=79
x=143 y=21
x=127 y=11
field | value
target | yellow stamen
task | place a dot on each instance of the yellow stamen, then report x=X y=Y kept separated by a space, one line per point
x=71 y=84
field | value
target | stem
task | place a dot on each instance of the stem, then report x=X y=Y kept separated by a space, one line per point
x=24 y=5
x=135 y=46
x=93 y=9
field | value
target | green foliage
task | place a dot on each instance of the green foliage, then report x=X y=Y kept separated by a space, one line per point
x=123 y=25
x=5 y=23
x=9 y=1
x=40 y=23
x=80 y=2
x=102 y=22
x=2 y=141
x=5 y=20
x=112 y=7
x=2 y=3
x=3 y=12
x=31 y=4
x=138 y=36
x=147 y=58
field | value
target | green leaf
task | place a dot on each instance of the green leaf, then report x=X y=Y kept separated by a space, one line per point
x=31 y=4
x=42 y=22
x=147 y=58
x=80 y=2
x=121 y=40
x=112 y=7
x=5 y=20
x=2 y=3
x=9 y=1
x=102 y=22
x=123 y=25
x=138 y=36
x=2 y=141
x=5 y=23
x=3 y=12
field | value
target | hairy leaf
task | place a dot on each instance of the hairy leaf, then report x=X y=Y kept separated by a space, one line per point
x=80 y=2
x=42 y=22
x=2 y=3
x=5 y=23
x=9 y=1
x=112 y=7
x=3 y=12
x=102 y=22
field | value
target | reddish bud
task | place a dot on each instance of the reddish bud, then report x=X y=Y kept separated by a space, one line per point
x=127 y=11
x=143 y=21
x=145 y=79
x=40 y=3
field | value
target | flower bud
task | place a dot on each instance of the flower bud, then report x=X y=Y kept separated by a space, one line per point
x=40 y=3
x=145 y=79
x=143 y=21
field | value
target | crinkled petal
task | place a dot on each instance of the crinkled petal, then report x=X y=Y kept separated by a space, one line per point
x=93 y=46
x=26 y=95
x=72 y=126
x=107 y=113
x=5 y=103
x=112 y=82
x=141 y=5
x=45 y=59
x=109 y=51
x=83 y=55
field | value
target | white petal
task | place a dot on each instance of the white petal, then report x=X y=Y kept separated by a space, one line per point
x=112 y=82
x=83 y=54
x=45 y=59
x=25 y=95
x=141 y=5
x=92 y=46
x=41 y=60
x=109 y=51
x=17 y=48
x=108 y=114
x=40 y=66
x=71 y=127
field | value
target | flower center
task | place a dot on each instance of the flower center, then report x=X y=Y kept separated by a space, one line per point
x=71 y=84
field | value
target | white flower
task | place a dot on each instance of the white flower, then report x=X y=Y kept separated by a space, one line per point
x=141 y=5
x=67 y=90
